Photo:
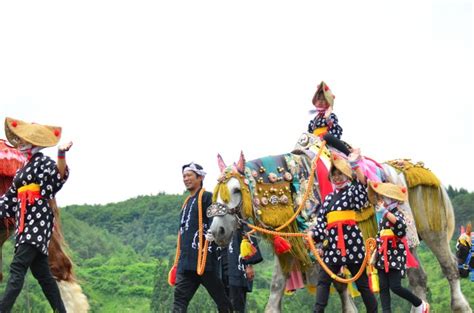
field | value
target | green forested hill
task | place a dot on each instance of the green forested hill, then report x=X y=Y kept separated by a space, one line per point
x=122 y=253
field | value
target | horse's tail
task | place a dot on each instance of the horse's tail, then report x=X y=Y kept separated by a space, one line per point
x=74 y=299
x=59 y=261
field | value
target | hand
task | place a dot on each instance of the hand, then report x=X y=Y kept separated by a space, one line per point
x=328 y=112
x=380 y=208
x=209 y=237
x=354 y=156
x=321 y=252
x=250 y=272
x=65 y=147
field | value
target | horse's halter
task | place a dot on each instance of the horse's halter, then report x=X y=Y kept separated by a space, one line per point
x=221 y=209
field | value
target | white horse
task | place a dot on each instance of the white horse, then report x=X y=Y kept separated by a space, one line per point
x=433 y=216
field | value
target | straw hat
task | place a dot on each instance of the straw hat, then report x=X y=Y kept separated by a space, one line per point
x=36 y=134
x=389 y=190
x=342 y=165
x=328 y=95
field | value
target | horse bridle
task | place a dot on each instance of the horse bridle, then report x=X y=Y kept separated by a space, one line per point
x=221 y=209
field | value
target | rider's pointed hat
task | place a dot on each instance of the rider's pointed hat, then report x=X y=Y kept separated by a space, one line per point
x=35 y=134
x=326 y=91
x=388 y=190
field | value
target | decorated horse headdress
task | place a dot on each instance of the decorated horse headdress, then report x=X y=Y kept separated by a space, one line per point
x=237 y=171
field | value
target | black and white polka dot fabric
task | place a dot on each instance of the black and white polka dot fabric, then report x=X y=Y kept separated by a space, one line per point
x=353 y=197
x=397 y=255
x=320 y=121
x=39 y=219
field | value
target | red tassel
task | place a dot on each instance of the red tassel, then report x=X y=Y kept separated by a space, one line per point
x=281 y=245
x=172 y=276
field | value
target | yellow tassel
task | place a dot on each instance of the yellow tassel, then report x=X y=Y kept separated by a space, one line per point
x=311 y=289
x=373 y=275
x=247 y=249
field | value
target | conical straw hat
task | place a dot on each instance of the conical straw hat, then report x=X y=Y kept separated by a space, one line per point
x=36 y=134
x=389 y=190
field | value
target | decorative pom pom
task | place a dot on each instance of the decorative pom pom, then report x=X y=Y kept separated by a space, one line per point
x=281 y=245
x=57 y=132
x=326 y=88
x=247 y=249
x=172 y=276
x=404 y=190
x=333 y=96
x=376 y=185
x=14 y=124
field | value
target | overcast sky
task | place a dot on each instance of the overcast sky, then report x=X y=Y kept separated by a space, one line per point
x=142 y=87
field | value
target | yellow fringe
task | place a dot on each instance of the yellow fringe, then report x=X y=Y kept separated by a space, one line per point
x=298 y=251
x=275 y=216
x=367 y=222
x=429 y=209
x=416 y=174
x=222 y=190
x=366 y=213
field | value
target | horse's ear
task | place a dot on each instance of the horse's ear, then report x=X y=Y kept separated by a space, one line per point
x=221 y=163
x=241 y=164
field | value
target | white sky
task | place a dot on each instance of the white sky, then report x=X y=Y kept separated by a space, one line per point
x=142 y=87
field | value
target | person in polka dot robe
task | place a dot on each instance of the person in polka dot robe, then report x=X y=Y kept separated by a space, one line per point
x=29 y=200
x=392 y=254
x=337 y=230
x=325 y=124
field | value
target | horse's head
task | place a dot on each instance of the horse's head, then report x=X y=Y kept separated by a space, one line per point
x=232 y=200
x=464 y=251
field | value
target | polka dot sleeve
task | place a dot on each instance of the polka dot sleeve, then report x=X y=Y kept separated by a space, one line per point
x=51 y=182
x=319 y=230
x=335 y=129
x=358 y=193
x=8 y=203
x=399 y=228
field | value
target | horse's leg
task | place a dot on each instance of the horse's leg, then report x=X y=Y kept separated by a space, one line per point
x=348 y=305
x=438 y=243
x=276 y=289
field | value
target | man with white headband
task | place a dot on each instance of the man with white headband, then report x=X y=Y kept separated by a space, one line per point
x=187 y=278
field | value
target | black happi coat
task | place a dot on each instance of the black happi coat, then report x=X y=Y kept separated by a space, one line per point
x=39 y=219
x=397 y=256
x=189 y=231
x=320 y=121
x=234 y=265
x=352 y=197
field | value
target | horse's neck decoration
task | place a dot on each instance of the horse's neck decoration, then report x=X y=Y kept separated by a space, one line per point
x=262 y=191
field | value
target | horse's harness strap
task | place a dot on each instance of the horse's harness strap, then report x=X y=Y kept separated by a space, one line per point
x=220 y=209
